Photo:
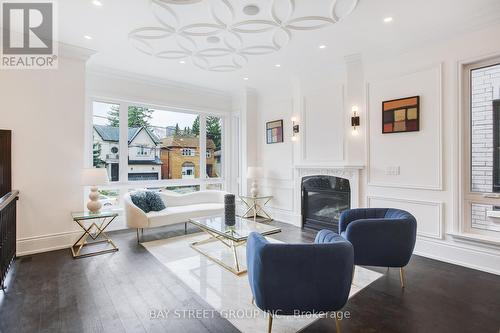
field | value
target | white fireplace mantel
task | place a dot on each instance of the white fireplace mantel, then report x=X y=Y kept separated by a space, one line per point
x=349 y=172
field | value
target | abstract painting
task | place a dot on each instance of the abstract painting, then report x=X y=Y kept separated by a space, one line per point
x=401 y=115
x=274 y=131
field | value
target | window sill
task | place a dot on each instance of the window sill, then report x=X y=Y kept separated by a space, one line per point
x=493 y=214
x=470 y=237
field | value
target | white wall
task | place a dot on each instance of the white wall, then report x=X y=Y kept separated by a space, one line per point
x=45 y=111
x=151 y=91
x=318 y=103
x=428 y=161
x=48 y=112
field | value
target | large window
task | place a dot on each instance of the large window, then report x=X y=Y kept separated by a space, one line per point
x=159 y=149
x=482 y=192
x=160 y=144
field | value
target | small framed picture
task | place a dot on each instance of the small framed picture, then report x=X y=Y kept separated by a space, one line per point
x=274 y=131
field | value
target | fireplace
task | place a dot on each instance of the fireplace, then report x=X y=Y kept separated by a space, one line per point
x=324 y=198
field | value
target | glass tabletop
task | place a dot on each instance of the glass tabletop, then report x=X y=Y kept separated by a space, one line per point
x=88 y=215
x=249 y=197
x=238 y=232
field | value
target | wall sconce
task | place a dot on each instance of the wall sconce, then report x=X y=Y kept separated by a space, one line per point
x=295 y=129
x=355 y=120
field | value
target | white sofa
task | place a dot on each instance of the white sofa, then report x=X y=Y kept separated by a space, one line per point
x=179 y=209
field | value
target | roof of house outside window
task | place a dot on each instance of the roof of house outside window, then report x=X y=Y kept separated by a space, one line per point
x=112 y=134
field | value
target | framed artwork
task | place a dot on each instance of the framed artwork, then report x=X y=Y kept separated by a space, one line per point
x=401 y=115
x=274 y=131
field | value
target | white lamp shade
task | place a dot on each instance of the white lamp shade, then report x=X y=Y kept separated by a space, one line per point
x=254 y=172
x=94 y=176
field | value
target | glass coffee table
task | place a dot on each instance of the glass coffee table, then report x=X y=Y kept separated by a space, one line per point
x=231 y=237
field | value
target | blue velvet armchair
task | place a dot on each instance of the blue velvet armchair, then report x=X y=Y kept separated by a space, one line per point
x=380 y=236
x=288 y=279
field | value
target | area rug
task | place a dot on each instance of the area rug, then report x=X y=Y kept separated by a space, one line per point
x=227 y=293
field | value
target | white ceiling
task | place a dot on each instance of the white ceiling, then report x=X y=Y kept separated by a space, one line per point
x=363 y=31
x=221 y=35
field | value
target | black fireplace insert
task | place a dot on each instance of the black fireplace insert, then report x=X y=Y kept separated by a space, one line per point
x=324 y=198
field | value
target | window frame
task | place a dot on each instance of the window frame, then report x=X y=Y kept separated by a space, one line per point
x=496 y=146
x=466 y=196
x=123 y=181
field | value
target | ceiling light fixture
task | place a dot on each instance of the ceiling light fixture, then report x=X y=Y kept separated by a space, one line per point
x=388 y=19
x=277 y=65
x=213 y=39
x=97 y=3
x=182 y=62
x=245 y=78
x=87 y=37
x=322 y=46
x=251 y=10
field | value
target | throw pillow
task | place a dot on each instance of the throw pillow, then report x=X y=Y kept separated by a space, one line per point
x=155 y=202
x=140 y=200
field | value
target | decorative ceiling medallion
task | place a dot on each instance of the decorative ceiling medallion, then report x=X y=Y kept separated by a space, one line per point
x=220 y=35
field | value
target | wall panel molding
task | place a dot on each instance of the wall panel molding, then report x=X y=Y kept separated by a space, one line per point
x=436 y=206
x=305 y=157
x=436 y=186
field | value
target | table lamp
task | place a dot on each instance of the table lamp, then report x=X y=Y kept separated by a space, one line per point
x=93 y=177
x=254 y=173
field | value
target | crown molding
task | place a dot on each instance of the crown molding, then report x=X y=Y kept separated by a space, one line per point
x=68 y=51
x=152 y=80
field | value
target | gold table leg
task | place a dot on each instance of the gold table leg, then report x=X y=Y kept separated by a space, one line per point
x=236 y=263
x=256 y=208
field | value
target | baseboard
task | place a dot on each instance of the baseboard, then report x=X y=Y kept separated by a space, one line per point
x=285 y=216
x=458 y=255
x=45 y=243
x=281 y=215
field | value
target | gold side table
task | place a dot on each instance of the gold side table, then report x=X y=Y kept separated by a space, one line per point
x=255 y=206
x=93 y=225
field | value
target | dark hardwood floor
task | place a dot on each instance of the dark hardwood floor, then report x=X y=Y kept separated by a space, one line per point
x=51 y=292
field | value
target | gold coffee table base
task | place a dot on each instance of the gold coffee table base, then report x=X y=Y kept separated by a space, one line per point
x=236 y=269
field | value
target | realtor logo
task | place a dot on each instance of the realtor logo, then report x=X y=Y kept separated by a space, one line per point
x=28 y=35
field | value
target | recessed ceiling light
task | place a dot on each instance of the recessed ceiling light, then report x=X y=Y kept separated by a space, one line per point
x=245 y=78
x=182 y=62
x=87 y=37
x=388 y=19
x=277 y=65
x=322 y=46
x=97 y=3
